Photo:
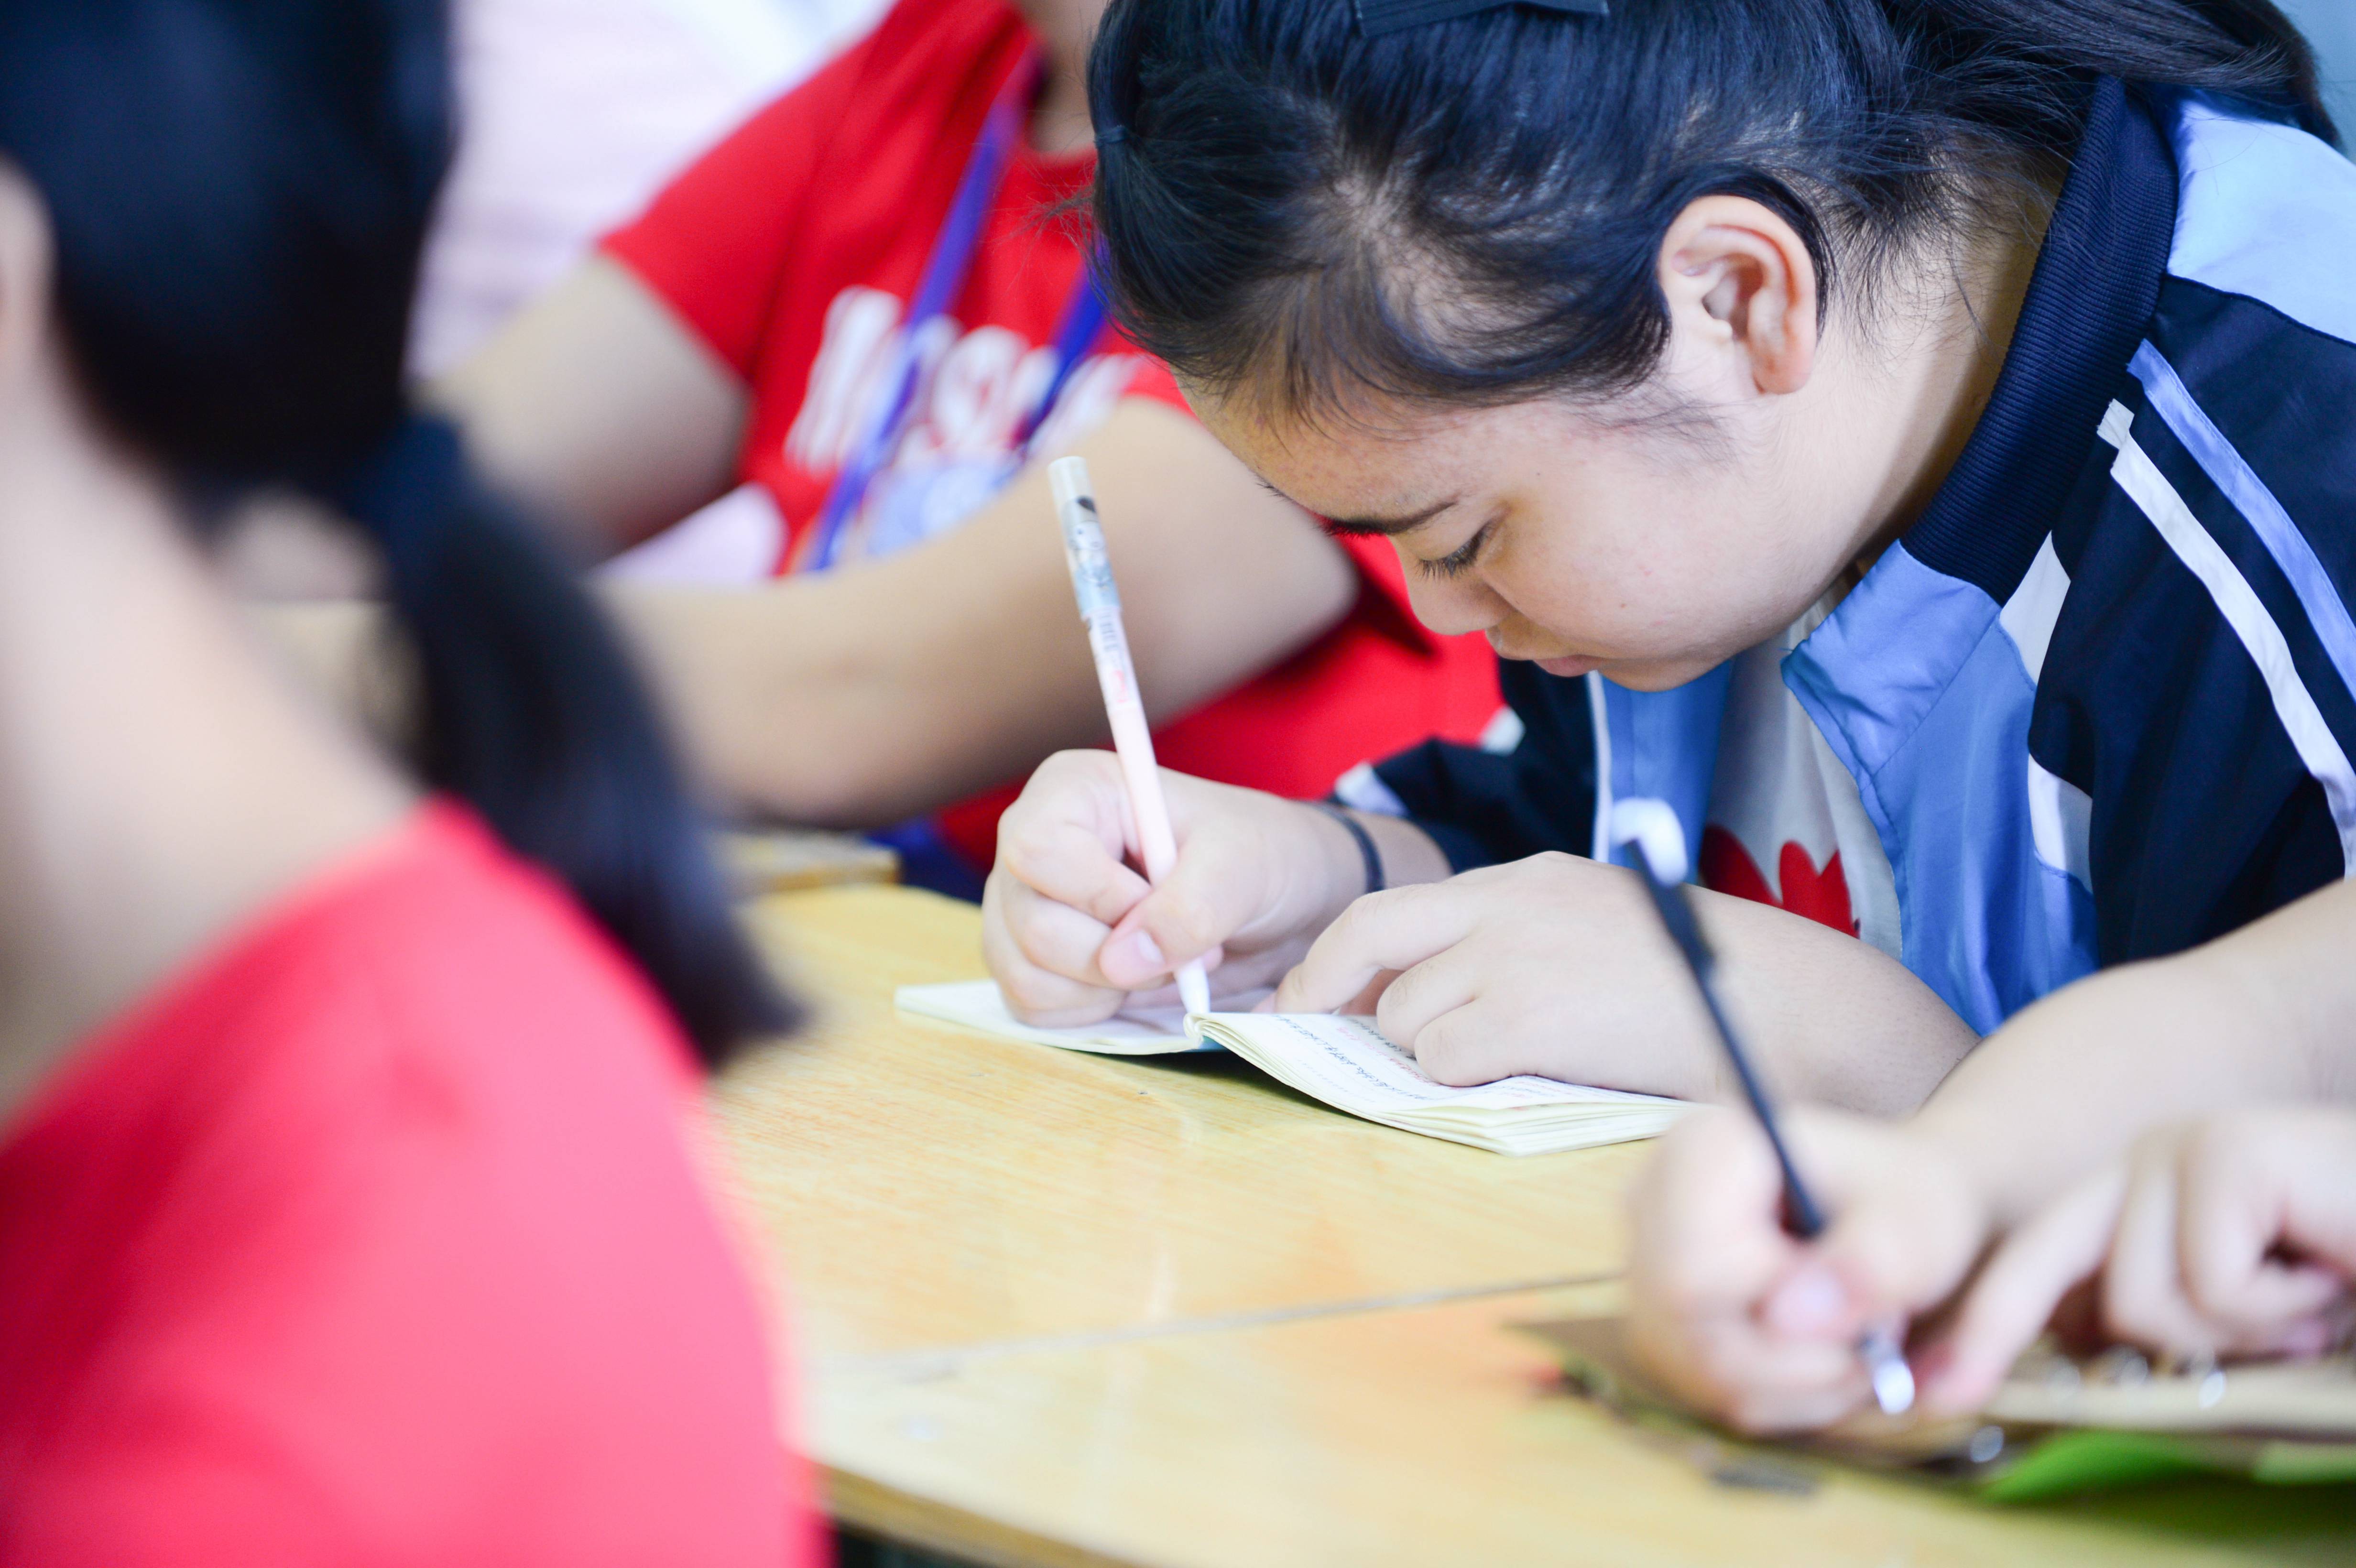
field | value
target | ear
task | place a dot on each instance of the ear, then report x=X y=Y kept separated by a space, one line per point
x=1741 y=290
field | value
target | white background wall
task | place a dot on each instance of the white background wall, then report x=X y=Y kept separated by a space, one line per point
x=575 y=112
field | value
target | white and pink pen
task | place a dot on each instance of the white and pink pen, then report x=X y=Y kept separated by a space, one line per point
x=1132 y=742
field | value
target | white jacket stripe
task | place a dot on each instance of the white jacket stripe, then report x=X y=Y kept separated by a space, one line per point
x=2226 y=468
x=2246 y=612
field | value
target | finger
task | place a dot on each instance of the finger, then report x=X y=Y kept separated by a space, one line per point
x=2233 y=1208
x=1394 y=930
x=2144 y=1301
x=1216 y=888
x=1460 y=1048
x=1165 y=931
x=2317 y=1160
x=1053 y=936
x=2017 y=1291
x=1071 y=857
x=1411 y=1008
x=1034 y=994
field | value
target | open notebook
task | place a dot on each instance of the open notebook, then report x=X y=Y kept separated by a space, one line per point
x=1343 y=1061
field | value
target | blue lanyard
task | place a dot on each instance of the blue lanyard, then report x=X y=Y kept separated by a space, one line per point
x=944 y=274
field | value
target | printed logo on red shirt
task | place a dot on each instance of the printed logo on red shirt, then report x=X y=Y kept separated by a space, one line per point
x=973 y=392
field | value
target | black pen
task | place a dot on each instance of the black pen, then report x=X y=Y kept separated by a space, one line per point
x=1650 y=827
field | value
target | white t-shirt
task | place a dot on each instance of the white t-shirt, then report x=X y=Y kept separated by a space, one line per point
x=1786 y=825
x=573 y=113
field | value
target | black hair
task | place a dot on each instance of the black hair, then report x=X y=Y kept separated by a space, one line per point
x=240 y=191
x=1471 y=211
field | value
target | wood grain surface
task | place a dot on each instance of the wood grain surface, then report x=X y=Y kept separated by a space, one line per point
x=929 y=1187
x=1087 y=1313
x=1430 y=1436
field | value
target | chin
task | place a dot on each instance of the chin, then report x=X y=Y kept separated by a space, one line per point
x=1636 y=674
x=1647 y=676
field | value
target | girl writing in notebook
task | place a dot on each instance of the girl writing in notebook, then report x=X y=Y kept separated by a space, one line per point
x=864 y=313
x=347 y=1210
x=1910 y=437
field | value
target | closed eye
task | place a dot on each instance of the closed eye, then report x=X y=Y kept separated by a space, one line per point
x=1458 y=561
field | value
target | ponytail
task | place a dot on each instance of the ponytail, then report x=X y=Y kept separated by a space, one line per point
x=239 y=191
x=530 y=712
x=1468 y=211
x=2242 y=48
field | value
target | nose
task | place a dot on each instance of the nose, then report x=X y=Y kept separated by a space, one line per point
x=1453 y=606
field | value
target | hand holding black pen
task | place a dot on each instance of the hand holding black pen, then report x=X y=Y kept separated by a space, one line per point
x=1650 y=827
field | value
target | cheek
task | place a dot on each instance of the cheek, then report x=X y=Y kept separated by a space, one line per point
x=1594 y=584
x=1639 y=592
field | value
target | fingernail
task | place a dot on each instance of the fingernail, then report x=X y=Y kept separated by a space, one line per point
x=1811 y=1302
x=1136 y=956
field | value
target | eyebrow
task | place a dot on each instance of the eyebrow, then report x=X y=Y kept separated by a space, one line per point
x=1385 y=527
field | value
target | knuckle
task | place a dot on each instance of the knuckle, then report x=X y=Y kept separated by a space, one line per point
x=1183 y=910
x=1080 y=762
x=1400 y=1004
x=1023 y=838
x=1346 y=926
x=1447 y=1060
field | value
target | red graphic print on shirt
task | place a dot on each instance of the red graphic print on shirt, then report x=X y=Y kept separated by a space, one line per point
x=1821 y=895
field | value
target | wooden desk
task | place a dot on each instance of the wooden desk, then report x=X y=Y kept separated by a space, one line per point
x=1064 y=1311
x=1415 y=1437
x=930 y=1188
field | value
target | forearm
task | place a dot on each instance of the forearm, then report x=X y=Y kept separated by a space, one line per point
x=863 y=695
x=1833 y=1019
x=831 y=701
x=877 y=691
x=599 y=409
x=2267 y=1014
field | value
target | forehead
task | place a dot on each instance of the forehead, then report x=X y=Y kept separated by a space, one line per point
x=1373 y=458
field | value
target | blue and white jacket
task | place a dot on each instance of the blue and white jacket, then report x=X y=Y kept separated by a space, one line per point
x=2100 y=701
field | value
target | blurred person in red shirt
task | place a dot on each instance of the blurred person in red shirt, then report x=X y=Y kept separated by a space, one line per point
x=865 y=313
x=349 y=1205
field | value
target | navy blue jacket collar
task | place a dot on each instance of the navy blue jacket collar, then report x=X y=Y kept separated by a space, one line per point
x=2090 y=302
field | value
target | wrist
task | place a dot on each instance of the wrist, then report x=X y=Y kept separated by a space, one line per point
x=1337 y=870
x=1374 y=876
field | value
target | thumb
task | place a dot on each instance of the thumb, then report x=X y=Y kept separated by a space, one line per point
x=1206 y=898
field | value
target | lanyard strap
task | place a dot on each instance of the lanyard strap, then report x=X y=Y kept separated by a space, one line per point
x=1083 y=317
x=945 y=273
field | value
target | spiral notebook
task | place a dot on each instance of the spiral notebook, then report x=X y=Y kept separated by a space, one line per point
x=1345 y=1063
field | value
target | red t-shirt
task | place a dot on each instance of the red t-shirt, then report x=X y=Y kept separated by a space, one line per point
x=375 y=1238
x=793 y=248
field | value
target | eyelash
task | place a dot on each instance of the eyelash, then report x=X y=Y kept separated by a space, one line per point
x=1458 y=561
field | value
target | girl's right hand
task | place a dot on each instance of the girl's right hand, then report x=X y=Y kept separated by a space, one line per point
x=1070 y=928
x=2234 y=1236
